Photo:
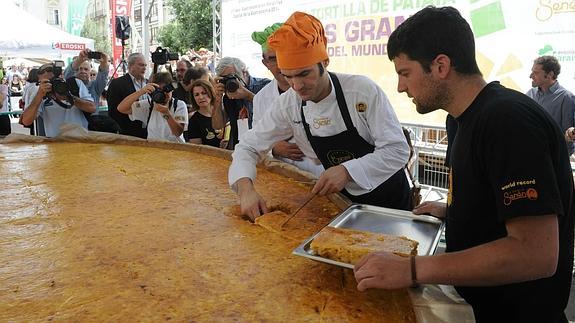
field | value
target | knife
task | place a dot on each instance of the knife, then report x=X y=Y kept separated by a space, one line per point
x=298 y=209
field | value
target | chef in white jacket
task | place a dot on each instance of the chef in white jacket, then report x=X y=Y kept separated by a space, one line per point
x=284 y=150
x=344 y=121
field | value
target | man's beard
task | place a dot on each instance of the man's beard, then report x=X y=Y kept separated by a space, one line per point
x=439 y=97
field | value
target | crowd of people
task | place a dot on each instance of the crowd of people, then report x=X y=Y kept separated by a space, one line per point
x=509 y=214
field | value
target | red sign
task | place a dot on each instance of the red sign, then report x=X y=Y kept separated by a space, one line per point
x=70 y=46
x=119 y=8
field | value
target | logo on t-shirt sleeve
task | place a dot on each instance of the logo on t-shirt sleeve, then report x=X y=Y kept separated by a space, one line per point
x=519 y=190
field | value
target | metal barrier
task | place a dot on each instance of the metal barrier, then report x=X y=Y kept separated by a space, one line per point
x=430 y=146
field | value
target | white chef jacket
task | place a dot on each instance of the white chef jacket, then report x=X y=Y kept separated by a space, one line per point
x=377 y=124
x=265 y=100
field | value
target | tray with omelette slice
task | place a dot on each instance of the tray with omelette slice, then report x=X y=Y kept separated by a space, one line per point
x=362 y=229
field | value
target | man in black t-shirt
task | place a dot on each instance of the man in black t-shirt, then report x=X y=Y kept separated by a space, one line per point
x=509 y=214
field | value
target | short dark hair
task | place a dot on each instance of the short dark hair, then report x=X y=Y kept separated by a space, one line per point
x=32 y=75
x=321 y=69
x=194 y=73
x=549 y=64
x=162 y=78
x=209 y=89
x=433 y=31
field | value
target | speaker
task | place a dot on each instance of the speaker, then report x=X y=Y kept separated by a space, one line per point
x=123 y=28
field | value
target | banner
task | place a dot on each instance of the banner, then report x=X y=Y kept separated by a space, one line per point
x=77 y=10
x=119 y=8
x=509 y=35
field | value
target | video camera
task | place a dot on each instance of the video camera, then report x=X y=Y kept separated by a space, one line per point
x=230 y=82
x=160 y=94
x=162 y=56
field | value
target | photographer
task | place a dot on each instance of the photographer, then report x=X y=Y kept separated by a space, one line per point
x=81 y=67
x=54 y=102
x=182 y=66
x=238 y=88
x=123 y=86
x=164 y=117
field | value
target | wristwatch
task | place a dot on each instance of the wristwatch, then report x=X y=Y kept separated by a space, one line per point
x=165 y=116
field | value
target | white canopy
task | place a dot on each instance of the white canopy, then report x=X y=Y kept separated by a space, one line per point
x=26 y=36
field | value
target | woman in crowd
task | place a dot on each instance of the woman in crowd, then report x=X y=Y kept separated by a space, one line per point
x=192 y=74
x=16 y=86
x=200 y=128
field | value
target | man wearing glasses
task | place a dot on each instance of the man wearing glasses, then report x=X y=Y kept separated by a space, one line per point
x=81 y=68
x=180 y=92
x=237 y=87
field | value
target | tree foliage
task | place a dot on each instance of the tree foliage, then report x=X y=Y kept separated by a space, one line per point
x=191 y=28
x=101 y=41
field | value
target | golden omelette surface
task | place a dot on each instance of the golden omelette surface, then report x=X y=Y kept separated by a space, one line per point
x=95 y=232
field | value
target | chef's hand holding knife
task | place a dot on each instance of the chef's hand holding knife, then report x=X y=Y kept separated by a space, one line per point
x=332 y=180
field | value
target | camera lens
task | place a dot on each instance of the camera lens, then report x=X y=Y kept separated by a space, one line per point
x=59 y=87
x=158 y=96
x=232 y=85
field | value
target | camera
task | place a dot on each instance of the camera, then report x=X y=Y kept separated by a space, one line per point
x=60 y=87
x=162 y=56
x=230 y=82
x=94 y=55
x=160 y=94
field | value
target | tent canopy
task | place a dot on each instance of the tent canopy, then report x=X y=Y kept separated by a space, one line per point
x=37 y=39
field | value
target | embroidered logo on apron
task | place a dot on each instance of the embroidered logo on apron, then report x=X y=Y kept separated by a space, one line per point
x=210 y=135
x=337 y=157
x=320 y=122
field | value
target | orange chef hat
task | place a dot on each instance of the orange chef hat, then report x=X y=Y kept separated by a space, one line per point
x=299 y=42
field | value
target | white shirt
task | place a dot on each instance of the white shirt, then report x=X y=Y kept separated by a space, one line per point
x=54 y=115
x=28 y=93
x=158 y=128
x=265 y=100
x=377 y=124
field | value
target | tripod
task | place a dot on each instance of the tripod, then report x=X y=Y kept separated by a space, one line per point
x=123 y=62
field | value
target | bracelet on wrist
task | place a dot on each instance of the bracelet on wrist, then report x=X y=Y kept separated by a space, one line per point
x=414 y=282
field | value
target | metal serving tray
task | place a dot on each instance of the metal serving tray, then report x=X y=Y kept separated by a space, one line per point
x=422 y=228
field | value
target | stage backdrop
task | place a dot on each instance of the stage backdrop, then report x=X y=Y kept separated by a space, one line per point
x=509 y=35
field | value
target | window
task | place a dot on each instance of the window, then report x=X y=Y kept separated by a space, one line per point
x=54 y=17
x=153 y=34
x=138 y=14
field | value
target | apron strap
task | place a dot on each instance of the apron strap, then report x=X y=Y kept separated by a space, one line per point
x=341 y=102
x=342 y=105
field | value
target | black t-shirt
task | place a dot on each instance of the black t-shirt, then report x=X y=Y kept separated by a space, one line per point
x=232 y=109
x=451 y=129
x=200 y=126
x=509 y=159
x=181 y=94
